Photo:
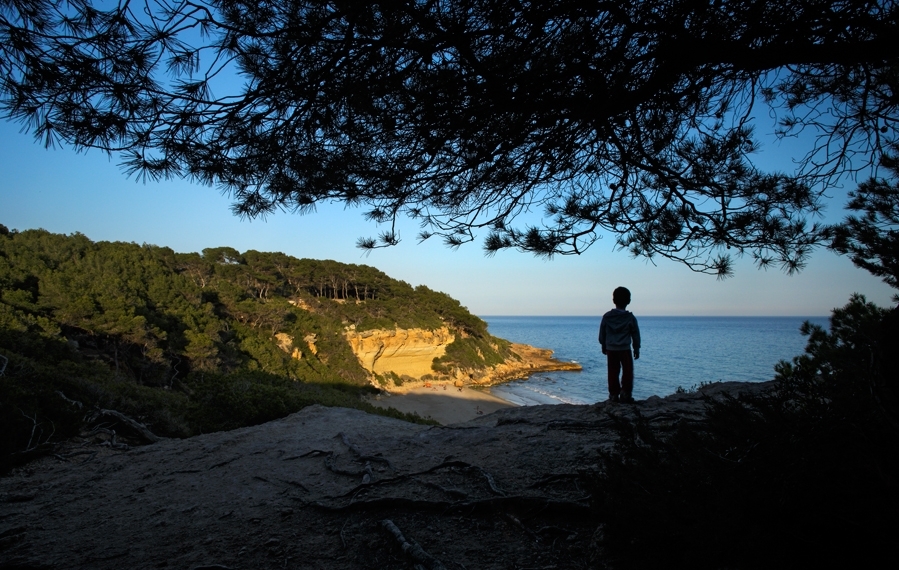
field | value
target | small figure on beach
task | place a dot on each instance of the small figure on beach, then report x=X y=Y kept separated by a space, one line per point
x=617 y=331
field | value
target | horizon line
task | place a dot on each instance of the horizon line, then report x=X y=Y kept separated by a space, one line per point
x=599 y=316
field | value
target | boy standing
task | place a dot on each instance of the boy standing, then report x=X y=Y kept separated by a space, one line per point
x=616 y=332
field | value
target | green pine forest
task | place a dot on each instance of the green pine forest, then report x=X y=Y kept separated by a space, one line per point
x=185 y=342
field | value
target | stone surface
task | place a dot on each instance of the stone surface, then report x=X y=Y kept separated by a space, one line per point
x=290 y=493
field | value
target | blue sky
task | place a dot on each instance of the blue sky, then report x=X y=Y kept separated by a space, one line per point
x=66 y=192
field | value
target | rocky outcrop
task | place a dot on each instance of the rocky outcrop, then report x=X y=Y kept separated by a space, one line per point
x=530 y=359
x=404 y=352
x=292 y=490
x=410 y=353
x=285 y=343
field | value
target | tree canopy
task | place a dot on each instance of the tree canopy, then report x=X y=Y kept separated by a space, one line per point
x=635 y=120
x=872 y=238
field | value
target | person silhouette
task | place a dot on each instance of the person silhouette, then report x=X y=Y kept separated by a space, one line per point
x=617 y=331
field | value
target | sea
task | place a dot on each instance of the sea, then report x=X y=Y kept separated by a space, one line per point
x=676 y=352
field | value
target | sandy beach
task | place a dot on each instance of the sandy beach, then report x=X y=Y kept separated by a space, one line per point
x=444 y=403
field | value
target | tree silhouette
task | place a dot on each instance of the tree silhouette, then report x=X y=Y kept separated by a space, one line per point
x=628 y=119
x=871 y=239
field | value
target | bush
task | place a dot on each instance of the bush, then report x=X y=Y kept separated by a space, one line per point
x=804 y=475
x=472 y=353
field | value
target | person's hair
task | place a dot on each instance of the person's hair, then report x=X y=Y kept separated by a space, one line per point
x=621 y=295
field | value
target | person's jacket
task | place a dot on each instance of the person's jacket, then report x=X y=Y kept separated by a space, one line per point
x=618 y=330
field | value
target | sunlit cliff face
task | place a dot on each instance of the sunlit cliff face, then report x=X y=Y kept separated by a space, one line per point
x=405 y=352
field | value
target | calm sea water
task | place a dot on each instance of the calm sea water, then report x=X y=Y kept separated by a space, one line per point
x=676 y=352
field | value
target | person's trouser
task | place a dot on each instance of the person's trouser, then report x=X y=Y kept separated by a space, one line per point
x=620 y=361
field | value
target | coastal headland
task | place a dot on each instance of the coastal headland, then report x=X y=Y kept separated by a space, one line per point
x=403 y=361
x=409 y=355
x=192 y=343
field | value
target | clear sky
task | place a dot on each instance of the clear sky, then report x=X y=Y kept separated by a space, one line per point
x=66 y=192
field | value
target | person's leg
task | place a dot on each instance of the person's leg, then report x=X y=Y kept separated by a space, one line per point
x=614 y=367
x=627 y=376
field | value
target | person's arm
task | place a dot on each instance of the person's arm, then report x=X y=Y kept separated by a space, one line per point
x=602 y=335
x=635 y=336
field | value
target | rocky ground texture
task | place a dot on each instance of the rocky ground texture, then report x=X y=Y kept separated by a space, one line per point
x=331 y=488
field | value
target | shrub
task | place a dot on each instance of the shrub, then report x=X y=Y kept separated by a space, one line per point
x=472 y=352
x=804 y=475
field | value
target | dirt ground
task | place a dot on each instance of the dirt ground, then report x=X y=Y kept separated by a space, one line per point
x=330 y=488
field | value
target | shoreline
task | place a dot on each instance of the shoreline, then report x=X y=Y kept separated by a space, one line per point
x=442 y=402
x=456 y=401
x=530 y=360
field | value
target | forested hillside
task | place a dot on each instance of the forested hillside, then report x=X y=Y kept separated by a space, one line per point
x=190 y=343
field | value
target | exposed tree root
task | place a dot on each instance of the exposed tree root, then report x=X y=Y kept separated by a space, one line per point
x=312 y=453
x=295 y=484
x=580 y=427
x=329 y=465
x=514 y=520
x=366 y=472
x=69 y=455
x=553 y=478
x=75 y=403
x=138 y=427
x=401 y=478
x=412 y=549
x=112 y=438
x=454 y=493
x=37 y=430
x=519 y=503
x=362 y=456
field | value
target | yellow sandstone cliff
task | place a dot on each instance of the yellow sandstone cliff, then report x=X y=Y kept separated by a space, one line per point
x=409 y=353
x=405 y=352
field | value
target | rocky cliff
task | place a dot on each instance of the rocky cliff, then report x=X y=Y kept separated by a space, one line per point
x=410 y=354
x=529 y=359
x=404 y=352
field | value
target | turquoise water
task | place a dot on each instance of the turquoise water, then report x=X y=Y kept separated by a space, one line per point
x=676 y=352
